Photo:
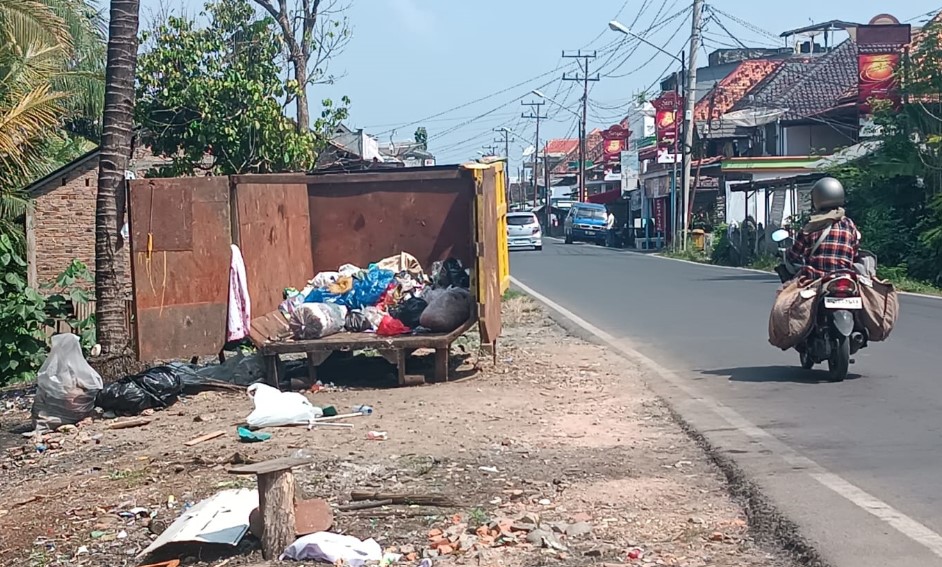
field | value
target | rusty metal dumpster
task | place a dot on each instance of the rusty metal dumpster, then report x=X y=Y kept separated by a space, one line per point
x=291 y=226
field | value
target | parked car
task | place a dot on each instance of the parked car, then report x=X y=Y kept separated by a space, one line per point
x=523 y=231
x=585 y=223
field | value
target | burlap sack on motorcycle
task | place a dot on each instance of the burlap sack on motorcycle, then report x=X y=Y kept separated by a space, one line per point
x=792 y=315
x=880 y=308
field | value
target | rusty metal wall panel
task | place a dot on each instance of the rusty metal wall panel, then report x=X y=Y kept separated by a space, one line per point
x=274 y=234
x=365 y=217
x=488 y=260
x=181 y=280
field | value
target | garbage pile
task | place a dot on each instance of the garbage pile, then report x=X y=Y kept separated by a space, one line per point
x=391 y=297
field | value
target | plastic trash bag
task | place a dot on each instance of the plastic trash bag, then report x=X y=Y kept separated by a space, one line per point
x=447 y=311
x=453 y=274
x=324 y=279
x=274 y=408
x=154 y=388
x=333 y=548
x=409 y=311
x=357 y=322
x=390 y=327
x=239 y=369
x=66 y=385
x=375 y=315
x=368 y=290
x=317 y=320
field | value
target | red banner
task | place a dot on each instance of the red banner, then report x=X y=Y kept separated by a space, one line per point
x=878 y=79
x=614 y=142
x=666 y=120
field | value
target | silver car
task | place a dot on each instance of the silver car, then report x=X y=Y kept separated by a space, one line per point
x=523 y=231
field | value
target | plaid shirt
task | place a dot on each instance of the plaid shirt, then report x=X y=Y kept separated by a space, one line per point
x=835 y=254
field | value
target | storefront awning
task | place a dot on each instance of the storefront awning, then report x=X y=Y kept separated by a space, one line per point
x=606 y=197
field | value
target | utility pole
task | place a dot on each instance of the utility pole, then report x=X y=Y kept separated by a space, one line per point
x=506 y=132
x=585 y=79
x=536 y=148
x=690 y=103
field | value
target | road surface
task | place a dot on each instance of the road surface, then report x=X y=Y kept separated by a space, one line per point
x=879 y=434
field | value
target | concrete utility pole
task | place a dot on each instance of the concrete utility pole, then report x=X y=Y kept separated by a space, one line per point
x=536 y=148
x=585 y=79
x=690 y=103
x=506 y=132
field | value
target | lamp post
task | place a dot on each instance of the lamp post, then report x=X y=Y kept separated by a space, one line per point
x=582 y=181
x=679 y=87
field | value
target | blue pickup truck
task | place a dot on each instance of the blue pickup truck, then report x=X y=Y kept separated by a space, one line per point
x=585 y=223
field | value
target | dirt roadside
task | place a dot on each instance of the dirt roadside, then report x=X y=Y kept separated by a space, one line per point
x=560 y=439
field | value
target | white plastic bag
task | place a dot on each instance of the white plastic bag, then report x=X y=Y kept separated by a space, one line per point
x=66 y=386
x=274 y=408
x=317 y=320
x=333 y=548
x=324 y=279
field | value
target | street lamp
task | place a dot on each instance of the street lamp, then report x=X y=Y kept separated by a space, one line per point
x=582 y=183
x=679 y=87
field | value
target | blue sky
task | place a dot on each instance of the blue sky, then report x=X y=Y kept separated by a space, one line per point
x=410 y=62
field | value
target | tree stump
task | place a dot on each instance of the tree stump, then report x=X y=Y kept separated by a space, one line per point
x=275 y=502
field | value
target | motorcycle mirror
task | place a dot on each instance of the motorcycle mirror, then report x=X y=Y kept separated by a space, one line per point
x=780 y=235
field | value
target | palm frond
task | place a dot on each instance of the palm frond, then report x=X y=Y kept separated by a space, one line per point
x=29 y=18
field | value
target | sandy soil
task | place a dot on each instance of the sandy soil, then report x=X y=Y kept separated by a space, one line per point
x=559 y=436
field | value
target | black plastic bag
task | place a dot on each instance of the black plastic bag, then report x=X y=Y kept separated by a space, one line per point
x=409 y=311
x=357 y=322
x=447 y=311
x=453 y=274
x=155 y=388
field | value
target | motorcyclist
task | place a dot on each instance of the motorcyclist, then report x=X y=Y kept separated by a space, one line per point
x=829 y=243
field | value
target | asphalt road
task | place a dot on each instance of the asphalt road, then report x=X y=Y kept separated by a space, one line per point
x=881 y=430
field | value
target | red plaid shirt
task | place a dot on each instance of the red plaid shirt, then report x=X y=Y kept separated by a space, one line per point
x=835 y=254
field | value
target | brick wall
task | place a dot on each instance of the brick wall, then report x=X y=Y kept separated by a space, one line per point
x=63 y=222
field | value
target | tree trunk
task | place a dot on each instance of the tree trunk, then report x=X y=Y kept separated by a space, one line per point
x=303 y=109
x=117 y=131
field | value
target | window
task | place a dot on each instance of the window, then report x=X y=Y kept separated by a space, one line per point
x=520 y=220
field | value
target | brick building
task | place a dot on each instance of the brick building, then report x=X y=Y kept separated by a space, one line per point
x=60 y=226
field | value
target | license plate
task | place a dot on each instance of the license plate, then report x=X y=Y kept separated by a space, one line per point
x=590 y=233
x=843 y=303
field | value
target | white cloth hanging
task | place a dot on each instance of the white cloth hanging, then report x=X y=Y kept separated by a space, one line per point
x=240 y=307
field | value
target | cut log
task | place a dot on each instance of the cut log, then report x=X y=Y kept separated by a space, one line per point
x=407 y=499
x=276 y=504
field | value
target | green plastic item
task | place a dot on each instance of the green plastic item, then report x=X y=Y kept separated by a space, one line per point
x=329 y=411
x=249 y=436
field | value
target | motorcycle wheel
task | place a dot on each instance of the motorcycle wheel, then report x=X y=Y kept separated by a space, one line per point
x=839 y=363
x=806 y=361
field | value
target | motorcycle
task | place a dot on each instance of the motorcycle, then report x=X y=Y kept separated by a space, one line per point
x=837 y=332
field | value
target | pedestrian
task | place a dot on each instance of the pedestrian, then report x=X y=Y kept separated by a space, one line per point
x=610 y=229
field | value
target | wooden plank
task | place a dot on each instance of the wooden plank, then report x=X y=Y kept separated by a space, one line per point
x=357 y=341
x=360 y=220
x=487 y=284
x=202 y=438
x=128 y=423
x=275 y=239
x=274 y=465
x=180 y=254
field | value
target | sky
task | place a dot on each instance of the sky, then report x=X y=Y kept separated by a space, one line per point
x=461 y=69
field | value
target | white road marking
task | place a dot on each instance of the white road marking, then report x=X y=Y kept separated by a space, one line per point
x=902 y=523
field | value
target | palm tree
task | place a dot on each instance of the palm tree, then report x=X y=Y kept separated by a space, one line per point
x=117 y=130
x=49 y=53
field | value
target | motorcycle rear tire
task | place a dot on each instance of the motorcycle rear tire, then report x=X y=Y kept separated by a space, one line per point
x=839 y=363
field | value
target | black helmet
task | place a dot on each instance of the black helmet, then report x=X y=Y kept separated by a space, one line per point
x=827 y=194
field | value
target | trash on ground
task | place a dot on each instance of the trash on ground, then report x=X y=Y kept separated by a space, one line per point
x=274 y=408
x=248 y=436
x=333 y=548
x=203 y=438
x=377 y=436
x=365 y=410
x=221 y=519
x=66 y=386
x=155 y=388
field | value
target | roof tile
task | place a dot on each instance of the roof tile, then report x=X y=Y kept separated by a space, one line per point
x=733 y=87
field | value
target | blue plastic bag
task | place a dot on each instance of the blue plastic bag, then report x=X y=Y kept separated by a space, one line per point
x=368 y=290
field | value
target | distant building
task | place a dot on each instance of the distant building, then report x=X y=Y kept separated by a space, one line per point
x=410 y=153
